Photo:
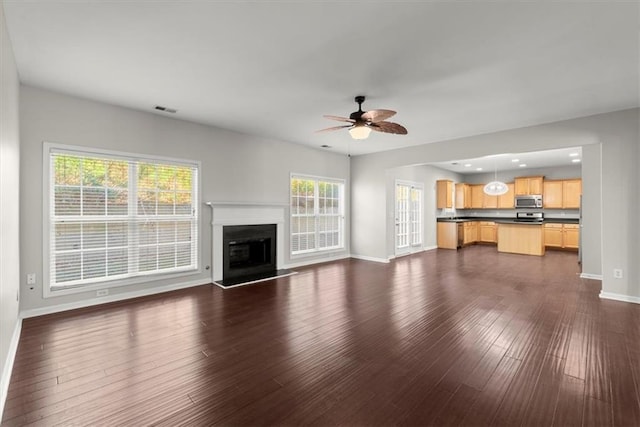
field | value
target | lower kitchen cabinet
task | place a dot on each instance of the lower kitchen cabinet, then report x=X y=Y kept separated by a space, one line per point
x=571 y=236
x=447 y=235
x=565 y=236
x=488 y=232
x=470 y=232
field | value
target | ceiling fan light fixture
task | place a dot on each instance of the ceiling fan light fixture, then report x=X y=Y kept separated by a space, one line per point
x=360 y=132
x=496 y=188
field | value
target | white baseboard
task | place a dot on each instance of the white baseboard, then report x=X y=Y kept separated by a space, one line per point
x=591 y=276
x=8 y=365
x=110 y=298
x=430 y=248
x=310 y=261
x=370 y=258
x=619 y=297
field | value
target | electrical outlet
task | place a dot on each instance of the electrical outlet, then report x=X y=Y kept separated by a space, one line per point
x=31 y=279
x=617 y=273
x=102 y=292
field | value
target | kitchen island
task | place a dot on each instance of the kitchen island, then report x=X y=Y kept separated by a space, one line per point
x=525 y=238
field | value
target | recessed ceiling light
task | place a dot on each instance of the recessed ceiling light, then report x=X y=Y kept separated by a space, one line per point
x=515 y=160
x=576 y=160
x=523 y=165
x=573 y=155
x=478 y=169
x=467 y=165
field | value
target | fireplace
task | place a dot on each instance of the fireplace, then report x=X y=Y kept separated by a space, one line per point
x=247 y=243
x=248 y=251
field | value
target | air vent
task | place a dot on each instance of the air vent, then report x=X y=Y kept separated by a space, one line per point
x=325 y=146
x=165 y=109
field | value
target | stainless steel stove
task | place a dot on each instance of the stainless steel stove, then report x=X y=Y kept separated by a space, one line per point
x=529 y=217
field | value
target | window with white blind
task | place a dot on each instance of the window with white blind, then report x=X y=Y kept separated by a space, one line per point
x=317 y=214
x=111 y=218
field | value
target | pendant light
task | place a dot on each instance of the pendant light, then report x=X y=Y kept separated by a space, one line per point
x=495 y=187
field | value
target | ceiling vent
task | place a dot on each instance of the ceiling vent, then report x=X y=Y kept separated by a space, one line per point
x=165 y=109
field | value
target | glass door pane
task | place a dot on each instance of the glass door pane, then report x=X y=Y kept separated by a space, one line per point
x=403 y=214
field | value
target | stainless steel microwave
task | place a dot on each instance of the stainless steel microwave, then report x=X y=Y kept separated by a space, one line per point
x=533 y=201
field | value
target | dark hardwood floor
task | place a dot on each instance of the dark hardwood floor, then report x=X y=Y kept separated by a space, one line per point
x=472 y=337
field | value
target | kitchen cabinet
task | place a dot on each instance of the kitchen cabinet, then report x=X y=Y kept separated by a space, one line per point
x=527 y=185
x=482 y=200
x=571 y=236
x=472 y=196
x=527 y=239
x=571 y=191
x=447 y=235
x=463 y=196
x=470 y=232
x=506 y=200
x=444 y=193
x=490 y=202
x=553 y=235
x=552 y=194
x=562 y=194
x=487 y=232
x=477 y=196
x=565 y=236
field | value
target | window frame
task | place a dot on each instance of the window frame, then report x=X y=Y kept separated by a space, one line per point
x=47 y=185
x=316 y=215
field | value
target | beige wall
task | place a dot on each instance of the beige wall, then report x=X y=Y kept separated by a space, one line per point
x=427 y=176
x=235 y=168
x=610 y=200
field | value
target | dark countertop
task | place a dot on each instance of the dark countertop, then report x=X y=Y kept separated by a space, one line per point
x=508 y=220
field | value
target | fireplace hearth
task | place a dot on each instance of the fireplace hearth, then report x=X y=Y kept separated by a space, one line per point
x=249 y=254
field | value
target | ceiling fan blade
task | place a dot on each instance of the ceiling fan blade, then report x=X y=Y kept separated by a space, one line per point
x=377 y=115
x=340 y=119
x=332 y=128
x=388 y=127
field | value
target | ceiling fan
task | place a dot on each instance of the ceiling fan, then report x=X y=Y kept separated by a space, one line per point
x=361 y=123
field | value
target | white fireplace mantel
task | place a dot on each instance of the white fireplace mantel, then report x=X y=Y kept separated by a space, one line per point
x=241 y=213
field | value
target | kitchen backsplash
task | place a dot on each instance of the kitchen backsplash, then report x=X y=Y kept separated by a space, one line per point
x=507 y=213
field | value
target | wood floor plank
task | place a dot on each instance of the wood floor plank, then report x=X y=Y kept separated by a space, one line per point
x=486 y=405
x=545 y=395
x=570 y=404
x=469 y=337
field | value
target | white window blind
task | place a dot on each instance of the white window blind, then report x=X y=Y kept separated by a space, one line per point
x=115 y=217
x=317 y=214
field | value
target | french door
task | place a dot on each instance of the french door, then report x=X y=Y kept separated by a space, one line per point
x=409 y=196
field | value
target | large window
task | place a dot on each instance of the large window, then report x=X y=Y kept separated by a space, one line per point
x=111 y=217
x=317 y=214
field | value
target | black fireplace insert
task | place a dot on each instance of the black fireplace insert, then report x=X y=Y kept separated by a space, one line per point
x=248 y=251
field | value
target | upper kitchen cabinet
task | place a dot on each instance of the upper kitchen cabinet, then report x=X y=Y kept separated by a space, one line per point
x=463 y=196
x=571 y=191
x=552 y=195
x=562 y=194
x=444 y=194
x=528 y=185
x=490 y=202
x=506 y=200
x=480 y=200
x=477 y=196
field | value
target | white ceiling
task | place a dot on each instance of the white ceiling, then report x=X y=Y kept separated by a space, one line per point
x=515 y=161
x=274 y=68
